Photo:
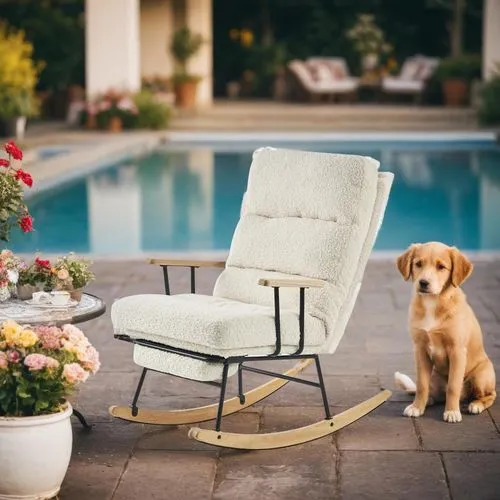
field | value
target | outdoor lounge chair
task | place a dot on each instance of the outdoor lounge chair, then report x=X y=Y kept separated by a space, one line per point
x=413 y=77
x=324 y=77
x=308 y=221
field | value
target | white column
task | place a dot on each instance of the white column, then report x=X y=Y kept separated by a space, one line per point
x=112 y=46
x=199 y=20
x=491 y=37
x=157 y=28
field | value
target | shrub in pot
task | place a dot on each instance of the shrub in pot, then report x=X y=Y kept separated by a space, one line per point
x=39 y=368
x=152 y=113
x=185 y=45
x=18 y=78
x=455 y=75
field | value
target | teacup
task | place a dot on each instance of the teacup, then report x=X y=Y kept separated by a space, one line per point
x=41 y=297
x=59 y=297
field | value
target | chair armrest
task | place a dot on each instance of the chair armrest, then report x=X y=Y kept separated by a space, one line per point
x=292 y=282
x=187 y=263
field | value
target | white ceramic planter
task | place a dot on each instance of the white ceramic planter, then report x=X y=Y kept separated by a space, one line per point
x=34 y=455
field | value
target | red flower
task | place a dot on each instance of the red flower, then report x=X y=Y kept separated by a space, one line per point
x=26 y=224
x=43 y=263
x=25 y=177
x=12 y=150
x=4 y=162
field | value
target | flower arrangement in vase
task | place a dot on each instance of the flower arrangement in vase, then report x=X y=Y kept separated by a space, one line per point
x=33 y=277
x=39 y=368
x=12 y=207
x=72 y=274
x=9 y=273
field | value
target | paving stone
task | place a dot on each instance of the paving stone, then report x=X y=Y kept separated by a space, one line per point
x=93 y=478
x=158 y=475
x=383 y=429
x=298 y=472
x=393 y=475
x=176 y=438
x=473 y=476
x=474 y=433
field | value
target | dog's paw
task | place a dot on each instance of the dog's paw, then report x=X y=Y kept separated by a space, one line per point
x=452 y=416
x=476 y=407
x=413 y=411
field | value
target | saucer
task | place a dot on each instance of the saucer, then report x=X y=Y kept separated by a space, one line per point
x=48 y=305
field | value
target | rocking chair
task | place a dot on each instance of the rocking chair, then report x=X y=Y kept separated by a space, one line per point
x=308 y=221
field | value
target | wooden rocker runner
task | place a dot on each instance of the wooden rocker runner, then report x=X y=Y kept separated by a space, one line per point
x=308 y=222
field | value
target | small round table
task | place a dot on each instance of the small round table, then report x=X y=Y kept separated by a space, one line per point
x=24 y=313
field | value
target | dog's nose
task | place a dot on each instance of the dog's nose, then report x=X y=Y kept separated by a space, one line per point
x=423 y=284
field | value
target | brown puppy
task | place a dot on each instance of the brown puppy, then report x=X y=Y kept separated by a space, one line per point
x=450 y=359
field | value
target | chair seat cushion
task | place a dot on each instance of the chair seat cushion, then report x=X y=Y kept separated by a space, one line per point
x=399 y=85
x=212 y=325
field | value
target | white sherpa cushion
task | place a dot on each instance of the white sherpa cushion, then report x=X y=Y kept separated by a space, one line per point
x=181 y=366
x=292 y=183
x=383 y=189
x=211 y=325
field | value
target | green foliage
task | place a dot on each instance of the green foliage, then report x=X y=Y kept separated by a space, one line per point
x=11 y=203
x=151 y=113
x=466 y=67
x=184 y=45
x=489 y=110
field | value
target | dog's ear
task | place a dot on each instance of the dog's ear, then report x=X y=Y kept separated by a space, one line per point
x=461 y=267
x=404 y=261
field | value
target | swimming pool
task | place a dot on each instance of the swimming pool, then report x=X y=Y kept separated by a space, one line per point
x=187 y=197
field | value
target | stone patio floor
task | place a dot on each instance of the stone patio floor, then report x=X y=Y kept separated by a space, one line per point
x=382 y=456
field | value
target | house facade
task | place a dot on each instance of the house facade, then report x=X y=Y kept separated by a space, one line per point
x=127 y=40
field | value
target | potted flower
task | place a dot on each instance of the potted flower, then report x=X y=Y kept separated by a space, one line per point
x=113 y=111
x=455 y=75
x=369 y=41
x=34 y=277
x=39 y=368
x=9 y=273
x=185 y=45
x=18 y=79
x=12 y=178
x=72 y=274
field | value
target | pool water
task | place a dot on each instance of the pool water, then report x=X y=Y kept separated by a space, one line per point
x=187 y=198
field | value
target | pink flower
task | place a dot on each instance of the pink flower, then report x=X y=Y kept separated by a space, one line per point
x=50 y=337
x=3 y=361
x=13 y=356
x=51 y=363
x=35 y=362
x=74 y=373
x=90 y=359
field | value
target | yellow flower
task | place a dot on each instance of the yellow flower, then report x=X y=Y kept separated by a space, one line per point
x=11 y=331
x=246 y=38
x=27 y=338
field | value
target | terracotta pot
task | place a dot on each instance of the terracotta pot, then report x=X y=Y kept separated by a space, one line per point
x=185 y=94
x=455 y=92
x=76 y=294
x=91 y=122
x=115 y=124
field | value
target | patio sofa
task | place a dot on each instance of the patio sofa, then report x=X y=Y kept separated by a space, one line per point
x=323 y=76
x=412 y=79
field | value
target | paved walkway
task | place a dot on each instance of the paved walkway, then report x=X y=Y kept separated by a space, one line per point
x=382 y=456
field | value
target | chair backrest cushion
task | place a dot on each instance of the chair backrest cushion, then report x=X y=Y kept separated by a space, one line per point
x=305 y=214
